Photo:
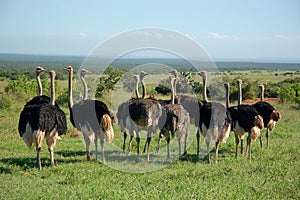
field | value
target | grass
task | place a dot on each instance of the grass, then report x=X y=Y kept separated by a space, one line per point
x=272 y=174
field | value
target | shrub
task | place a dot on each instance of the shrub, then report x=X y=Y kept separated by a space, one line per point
x=108 y=81
x=5 y=102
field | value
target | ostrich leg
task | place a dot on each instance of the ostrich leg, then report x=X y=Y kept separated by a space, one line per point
x=102 y=149
x=129 y=145
x=198 y=142
x=38 y=158
x=138 y=139
x=125 y=136
x=51 y=151
x=237 y=141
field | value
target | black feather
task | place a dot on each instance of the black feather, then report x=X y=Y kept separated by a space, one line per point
x=244 y=114
x=88 y=111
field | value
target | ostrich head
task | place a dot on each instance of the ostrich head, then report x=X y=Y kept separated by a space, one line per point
x=136 y=78
x=69 y=69
x=174 y=73
x=256 y=129
x=52 y=73
x=275 y=115
x=142 y=75
x=83 y=72
x=203 y=74
x=239 y=81
x=227 y=86
x=259 y=122
x=39 y=70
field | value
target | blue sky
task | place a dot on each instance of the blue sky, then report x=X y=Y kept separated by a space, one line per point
x=228 y=30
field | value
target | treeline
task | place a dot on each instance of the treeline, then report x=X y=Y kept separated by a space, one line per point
x=23 y=86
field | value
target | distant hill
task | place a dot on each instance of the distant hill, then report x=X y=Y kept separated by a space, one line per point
x=54 y=61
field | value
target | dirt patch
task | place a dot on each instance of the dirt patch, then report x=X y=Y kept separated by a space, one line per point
x=269 y=100
x=74 y=133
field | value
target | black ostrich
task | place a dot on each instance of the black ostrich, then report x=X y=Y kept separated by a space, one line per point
x=92 y=118
x=245 y=118
x=40 y=98
x=43 y=120
x=144 y=114
x=269 y=114
x=177 y=121
x=215 y=121
x=192 y=105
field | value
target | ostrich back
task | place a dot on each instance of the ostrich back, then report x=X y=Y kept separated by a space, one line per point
x=245 y=115
x=39 y=100
x=177 y=119
x=265 y=110
x=192 y=105
x=44 y=117
x=123 y=112
x=214 y=114
x=88 y=113
x=145 y=112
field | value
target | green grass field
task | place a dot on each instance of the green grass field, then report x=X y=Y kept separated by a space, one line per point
x=273 y=173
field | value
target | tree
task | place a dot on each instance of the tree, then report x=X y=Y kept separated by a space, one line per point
x=108 y=81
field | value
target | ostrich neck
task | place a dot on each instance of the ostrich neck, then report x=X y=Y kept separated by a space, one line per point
x=239 y=94
x=144 y=88
x=175 y=83
x=137 y=89
x=262 y=94
x=172 y=92
x=70 y=82
x=227 y=97
x=52 y=101
x=204 y=90
x=85 y=89
x=40 y=89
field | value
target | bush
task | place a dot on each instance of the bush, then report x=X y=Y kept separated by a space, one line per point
x=63 y=99
x=289 y=92
x=5 y=102
x=108 y=81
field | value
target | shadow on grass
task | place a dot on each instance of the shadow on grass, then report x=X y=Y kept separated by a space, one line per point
x=24 y=163
x=5 y=170
x=27 y=163
x=70 y=153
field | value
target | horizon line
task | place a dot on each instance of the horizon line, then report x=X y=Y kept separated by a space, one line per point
x=217 y=59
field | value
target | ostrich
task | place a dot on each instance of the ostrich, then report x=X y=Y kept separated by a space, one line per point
x=43 y=120
x=40 y=98
x=215 y=121
x=269 y=114
x=177 y=121
x=123 y=111
x=83 y=72
x=144 y=115
x=245 y=118
x=92 y=118
x=192 y=105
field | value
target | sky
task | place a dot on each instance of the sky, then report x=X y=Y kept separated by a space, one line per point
x=260 y=30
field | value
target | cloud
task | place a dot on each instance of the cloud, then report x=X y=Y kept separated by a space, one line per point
x=218 y=36
x=281 y=37
x=298 y=37
x=82 y=35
